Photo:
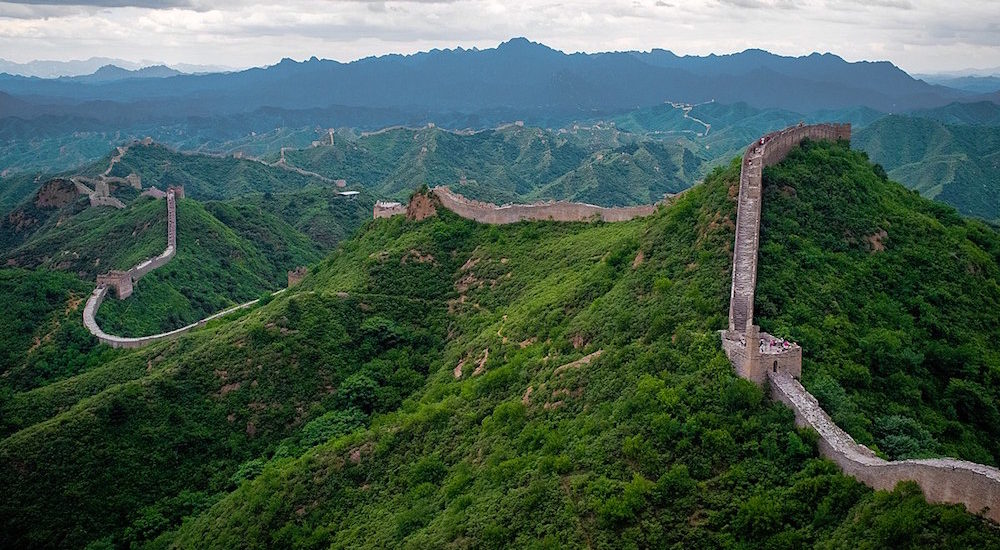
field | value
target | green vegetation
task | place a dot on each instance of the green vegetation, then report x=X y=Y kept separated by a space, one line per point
x=319 y=213
x=894 y=299
x=228 y=251
x=951 y=163
x=203 y=177
x=512 y=164
x=332 y=415
x=217 y=265
x=42 y=338
x=87 y=241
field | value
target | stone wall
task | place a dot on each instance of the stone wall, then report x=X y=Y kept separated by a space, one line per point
x=766 y=151
x=113 y=278
x=296 y=275
x=388 y=209
x=754 y=364
x=121 y=281
x=942 y=480
x=555 y=211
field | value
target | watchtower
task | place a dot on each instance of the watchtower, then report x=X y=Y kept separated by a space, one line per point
x=120 y=280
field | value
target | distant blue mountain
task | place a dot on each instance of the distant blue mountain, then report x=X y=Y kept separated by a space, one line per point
x=114 y=73
x=519 y=76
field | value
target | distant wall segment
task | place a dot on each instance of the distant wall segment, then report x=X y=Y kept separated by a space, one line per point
x=754 y=357
x=560 y=211
x=124 y=281
x=767 y=151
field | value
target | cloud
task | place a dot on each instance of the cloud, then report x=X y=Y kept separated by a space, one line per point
x=916 y=34
x=763 y=4
x=148 y=4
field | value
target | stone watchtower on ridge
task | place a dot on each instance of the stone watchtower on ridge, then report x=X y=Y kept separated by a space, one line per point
x=121 y=281
x=754 y=353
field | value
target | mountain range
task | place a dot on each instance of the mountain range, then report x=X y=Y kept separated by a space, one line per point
x=539 y=82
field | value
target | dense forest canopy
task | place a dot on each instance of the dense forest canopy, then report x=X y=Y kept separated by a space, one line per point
x=442 y=382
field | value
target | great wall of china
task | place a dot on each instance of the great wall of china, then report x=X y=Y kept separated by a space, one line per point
x=556 y=211
x=484 y=212
x=124 y=281
x=774 y=362
x=778 y=367
x=943 y=480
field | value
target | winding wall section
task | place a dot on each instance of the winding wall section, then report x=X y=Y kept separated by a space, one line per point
x=138 y=271
x=943 y=480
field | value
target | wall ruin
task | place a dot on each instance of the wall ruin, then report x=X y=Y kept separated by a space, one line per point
x=296 y=275
x=385 y=209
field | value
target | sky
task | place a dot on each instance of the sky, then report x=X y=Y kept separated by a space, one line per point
x=921 y=36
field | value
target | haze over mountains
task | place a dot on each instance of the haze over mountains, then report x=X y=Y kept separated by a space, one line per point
x=537 y=81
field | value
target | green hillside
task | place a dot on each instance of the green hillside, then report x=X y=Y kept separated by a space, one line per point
x=203 y=177
x=215 y=267
x=43 y=339
x=444 y=383
x=732 y=126
x=958 y=165
x=85 y=241
x=508 y=165
x=898 y=316
x=318 y=213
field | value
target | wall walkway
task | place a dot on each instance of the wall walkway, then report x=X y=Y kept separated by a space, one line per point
x=945 y=480
x=484 y=212
x=136 y=272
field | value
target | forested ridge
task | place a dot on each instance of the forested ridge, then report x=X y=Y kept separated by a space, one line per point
x=444 y=383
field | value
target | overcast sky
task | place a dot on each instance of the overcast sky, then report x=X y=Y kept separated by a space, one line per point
x=917 y=35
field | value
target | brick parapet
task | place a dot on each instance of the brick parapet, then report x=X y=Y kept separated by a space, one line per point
x=554 y=211
x=944 y=480
x=104 y=282
x=767 y=151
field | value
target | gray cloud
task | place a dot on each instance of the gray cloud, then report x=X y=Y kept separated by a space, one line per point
x=916 y=34
x=763 y=4
x=148 y=4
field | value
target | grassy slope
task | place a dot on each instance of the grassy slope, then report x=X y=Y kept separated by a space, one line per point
x=214 y=267
x=229 y=251
x=324 y=419
x=954 y=164
x=318 y=213
x=901 y=343
x=93 y=240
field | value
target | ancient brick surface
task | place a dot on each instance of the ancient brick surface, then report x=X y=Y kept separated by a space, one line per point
x=296 y=275
x=388 y=209
x=753 y=364
x=766 y=151
x=944 y=480
x=104 y=282
x=555 y=211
